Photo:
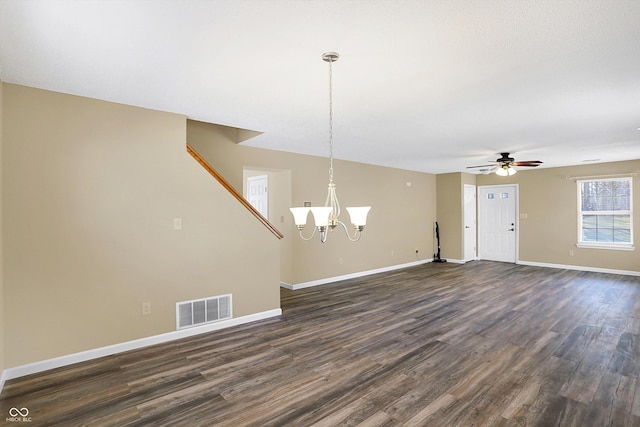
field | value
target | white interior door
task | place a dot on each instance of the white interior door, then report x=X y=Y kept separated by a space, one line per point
x=257 y=191
x=497 y=206
x=469 y=222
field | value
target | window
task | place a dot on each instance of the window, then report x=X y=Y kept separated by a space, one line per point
x=605 y=213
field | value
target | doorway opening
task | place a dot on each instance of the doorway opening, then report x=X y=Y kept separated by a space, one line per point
x=470 y=228
x=258 y=193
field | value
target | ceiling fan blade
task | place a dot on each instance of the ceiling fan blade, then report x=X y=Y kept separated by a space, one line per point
x=488 y=171
x=482 y=166
x=529 y=163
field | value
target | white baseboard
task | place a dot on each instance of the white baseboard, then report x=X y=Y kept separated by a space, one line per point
x=327 y=280
x=45 y=365
x=580 y=268
x=3 y=378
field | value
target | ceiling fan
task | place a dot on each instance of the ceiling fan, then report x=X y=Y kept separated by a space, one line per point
x=504 y=165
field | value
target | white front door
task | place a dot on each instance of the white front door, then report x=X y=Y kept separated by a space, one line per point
x=469 y=222
x=257 y=191
x=497 y=206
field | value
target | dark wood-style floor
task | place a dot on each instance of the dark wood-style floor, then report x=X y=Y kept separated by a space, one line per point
x=478 y=344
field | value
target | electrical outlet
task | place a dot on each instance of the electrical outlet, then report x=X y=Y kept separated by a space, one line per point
x=146 y=308
x=177 y=223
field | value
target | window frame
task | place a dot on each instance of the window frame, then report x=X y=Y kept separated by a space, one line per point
x=625 y=246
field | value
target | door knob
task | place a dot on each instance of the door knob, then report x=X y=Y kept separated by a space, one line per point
x=511 y=229
x=467 y=226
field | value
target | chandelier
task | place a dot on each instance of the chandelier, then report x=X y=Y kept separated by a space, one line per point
x=326 y=217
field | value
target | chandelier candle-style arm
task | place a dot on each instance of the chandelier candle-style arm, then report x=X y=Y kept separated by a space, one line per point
x=326 y=221
x=326 y=217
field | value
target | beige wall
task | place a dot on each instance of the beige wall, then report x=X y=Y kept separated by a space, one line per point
x=450 y=203
x=400 y=221
x=2 y=320
x=90 y=190
x=279 y=203
x=549 y=200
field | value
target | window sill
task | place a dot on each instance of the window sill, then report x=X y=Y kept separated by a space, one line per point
x=622 y=247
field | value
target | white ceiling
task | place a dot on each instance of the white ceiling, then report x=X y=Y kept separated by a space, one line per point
x=431 y=86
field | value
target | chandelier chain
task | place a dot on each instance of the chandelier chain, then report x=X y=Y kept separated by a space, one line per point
x=330 y=120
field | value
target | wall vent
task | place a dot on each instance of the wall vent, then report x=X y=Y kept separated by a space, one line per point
x=200 y=311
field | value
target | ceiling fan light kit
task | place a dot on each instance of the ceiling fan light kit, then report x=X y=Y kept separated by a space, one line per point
x=505 y=171
x=326 y=217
